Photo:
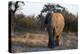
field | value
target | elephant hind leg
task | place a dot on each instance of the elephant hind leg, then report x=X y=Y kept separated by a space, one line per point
x=58 y=40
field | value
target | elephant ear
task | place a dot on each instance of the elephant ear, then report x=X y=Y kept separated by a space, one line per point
x=47 y=18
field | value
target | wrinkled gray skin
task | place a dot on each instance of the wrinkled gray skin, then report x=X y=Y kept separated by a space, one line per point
x=55 y=26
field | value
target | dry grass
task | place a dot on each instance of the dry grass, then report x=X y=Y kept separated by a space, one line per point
x=31 y=39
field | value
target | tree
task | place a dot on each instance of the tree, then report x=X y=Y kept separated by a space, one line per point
x=52 y=7
x=12 y=12
x=49 y=8
x=11 y=15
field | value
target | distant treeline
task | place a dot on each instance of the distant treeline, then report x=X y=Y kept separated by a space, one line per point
x=71 y=22
x=27 y=23
x=32 y=22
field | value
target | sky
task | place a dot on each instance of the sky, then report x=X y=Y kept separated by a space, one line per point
x=34 y=8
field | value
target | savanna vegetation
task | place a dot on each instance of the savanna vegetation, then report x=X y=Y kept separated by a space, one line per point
x=32 y=22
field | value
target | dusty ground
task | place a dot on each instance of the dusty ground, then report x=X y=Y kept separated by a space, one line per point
x=30 y=42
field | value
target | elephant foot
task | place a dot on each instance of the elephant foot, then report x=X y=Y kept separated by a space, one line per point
x=51 y=45
x=58 y=43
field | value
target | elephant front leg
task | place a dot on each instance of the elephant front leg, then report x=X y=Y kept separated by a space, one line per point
x=51 y=43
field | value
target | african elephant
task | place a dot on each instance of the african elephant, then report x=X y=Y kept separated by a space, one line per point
x=55 y=25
